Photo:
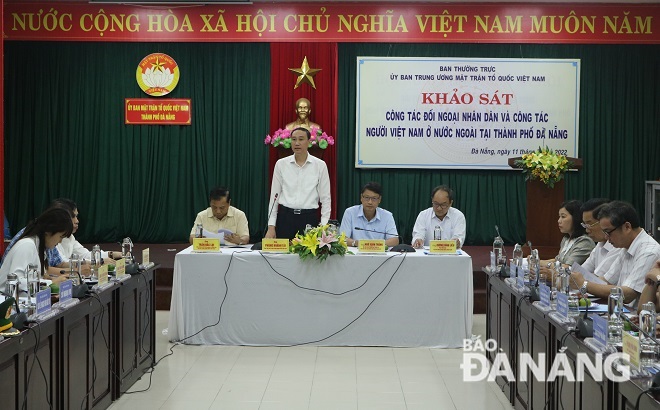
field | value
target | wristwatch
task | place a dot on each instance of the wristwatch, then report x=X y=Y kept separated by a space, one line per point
x=583 y=288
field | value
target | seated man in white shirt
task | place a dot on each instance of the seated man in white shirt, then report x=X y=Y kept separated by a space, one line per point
x=368 y=220
x=639 y=252
x=602 y=256
x=441 y=213
x=221 y=215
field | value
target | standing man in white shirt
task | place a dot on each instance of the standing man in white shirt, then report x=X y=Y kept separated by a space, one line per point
x=450 y=220
x=300 y=182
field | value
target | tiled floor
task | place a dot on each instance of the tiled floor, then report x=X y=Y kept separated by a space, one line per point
x=318 y=378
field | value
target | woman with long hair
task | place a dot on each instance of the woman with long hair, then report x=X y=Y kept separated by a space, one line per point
x=576 y=245
x=45 y=232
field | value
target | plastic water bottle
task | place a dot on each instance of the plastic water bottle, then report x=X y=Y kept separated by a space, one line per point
x=647 y=344
x=556 y=277
x=517 y=255
x=614 y=322
x=534 y=267
x=95 y=261
x=74 y=273
x=11 y=287
x=437 y=233
x=32 y=278
x=127 y=250
x=498 y=250
x=573 y=305
x=199 y=231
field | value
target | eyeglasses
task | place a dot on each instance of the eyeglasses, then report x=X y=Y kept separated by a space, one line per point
x=371 y=198
x=608 y=232
x=446 y=205
x=587 y=226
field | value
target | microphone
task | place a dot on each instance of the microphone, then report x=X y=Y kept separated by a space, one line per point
x=585 y=324
x=627 y=319
x=402 y=247
x=257 y=246
x=271 y=211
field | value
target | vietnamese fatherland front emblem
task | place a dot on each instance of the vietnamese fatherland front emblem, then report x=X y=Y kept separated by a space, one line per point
x=157 y=74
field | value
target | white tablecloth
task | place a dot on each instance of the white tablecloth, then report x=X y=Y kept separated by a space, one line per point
x=406 y=300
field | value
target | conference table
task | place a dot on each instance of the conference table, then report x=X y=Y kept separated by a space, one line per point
x=245 y=297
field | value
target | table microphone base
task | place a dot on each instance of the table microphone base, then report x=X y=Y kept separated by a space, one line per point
x=402 y=247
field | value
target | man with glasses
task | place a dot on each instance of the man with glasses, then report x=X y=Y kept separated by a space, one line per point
x=620 y=223
x=602 y=256
x=450 y=220
x=368 y=220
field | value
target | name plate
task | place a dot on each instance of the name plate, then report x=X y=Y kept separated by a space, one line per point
x=371 y=245
x=43 y=301
x=631 y=347
x=600 y=329
x=562 y=304
x=120 y=268
x=206 y=245
x=145 y=256
x=66 y=290
x=103 y=275
x=443 y=246
x=275 y=245
x=544 y=293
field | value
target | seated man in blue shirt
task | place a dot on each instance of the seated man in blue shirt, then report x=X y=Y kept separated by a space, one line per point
x=368 y=221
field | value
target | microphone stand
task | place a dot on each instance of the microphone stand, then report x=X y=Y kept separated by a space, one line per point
x=78 y=291
x=585 y=324
x=257 y=245
x=627 y=319
x=401 y=247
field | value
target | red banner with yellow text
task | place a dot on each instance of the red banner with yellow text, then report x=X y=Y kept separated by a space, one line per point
x=336 y=22
x=157 y=111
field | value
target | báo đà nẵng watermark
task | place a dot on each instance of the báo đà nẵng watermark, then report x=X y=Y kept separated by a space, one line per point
x=477 y=367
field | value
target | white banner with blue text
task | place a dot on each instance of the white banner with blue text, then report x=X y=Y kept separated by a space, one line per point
x=463 y=113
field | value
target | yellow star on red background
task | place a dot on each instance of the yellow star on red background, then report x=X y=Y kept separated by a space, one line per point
x=158 y=65
x=305 y=74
